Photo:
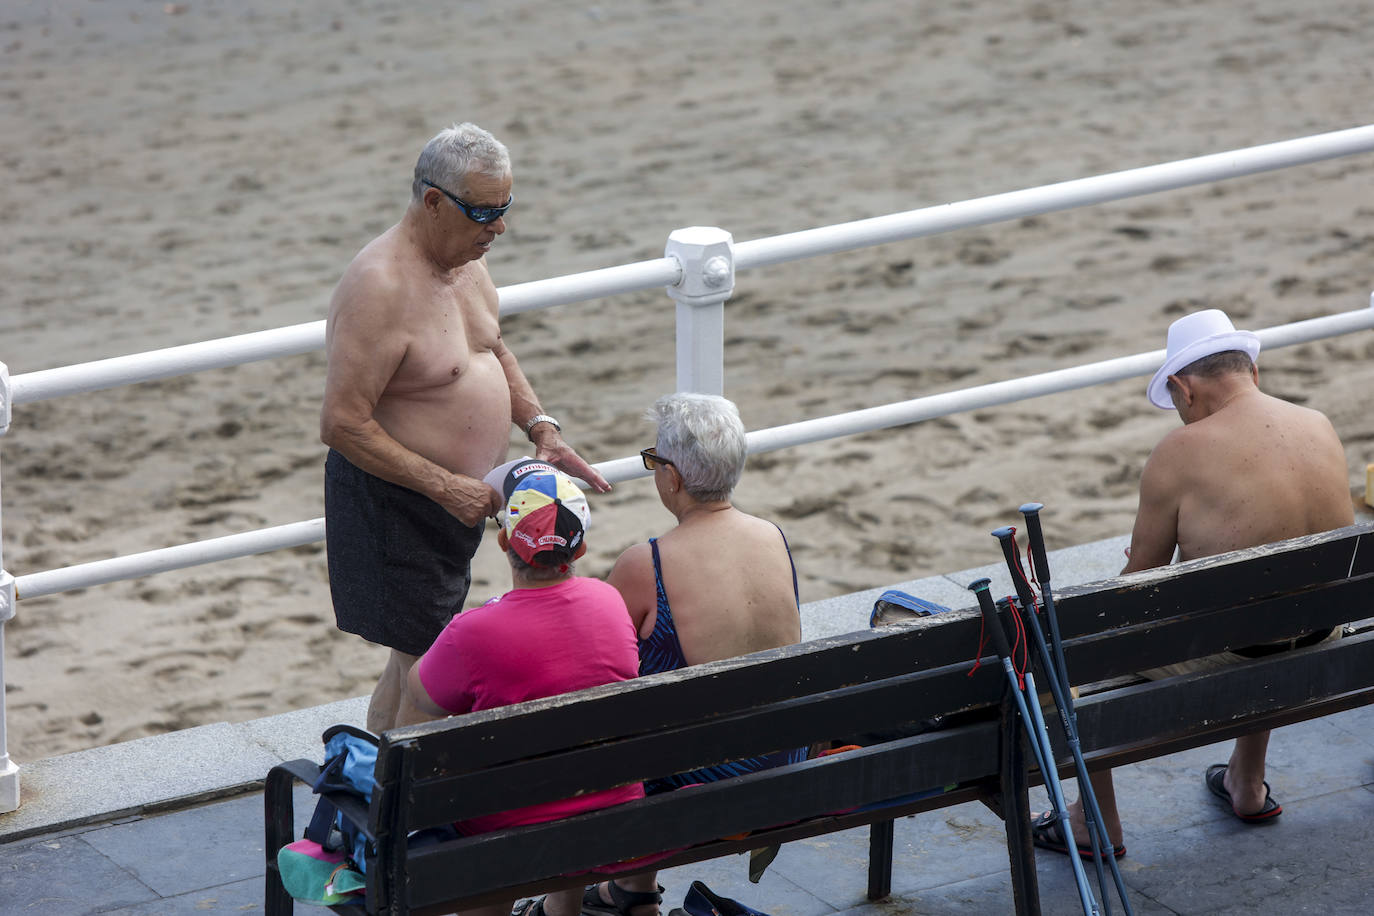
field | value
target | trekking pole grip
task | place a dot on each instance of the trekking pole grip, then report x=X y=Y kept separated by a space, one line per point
x=991 y=621
x=1037 y=541
x=1006 y=536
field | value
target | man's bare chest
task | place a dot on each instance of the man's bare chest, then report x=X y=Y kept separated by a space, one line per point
x=446 y=334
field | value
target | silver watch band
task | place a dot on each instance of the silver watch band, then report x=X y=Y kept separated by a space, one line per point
x=540 y=418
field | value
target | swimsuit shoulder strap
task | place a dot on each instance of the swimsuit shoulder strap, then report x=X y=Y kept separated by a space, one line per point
x=796 y=592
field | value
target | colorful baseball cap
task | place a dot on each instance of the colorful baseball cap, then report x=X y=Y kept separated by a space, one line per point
x=545 y=512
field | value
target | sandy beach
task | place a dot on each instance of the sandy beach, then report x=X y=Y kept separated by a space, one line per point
x=177 y=172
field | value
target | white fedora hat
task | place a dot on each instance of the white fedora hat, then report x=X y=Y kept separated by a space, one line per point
x=1190 y=339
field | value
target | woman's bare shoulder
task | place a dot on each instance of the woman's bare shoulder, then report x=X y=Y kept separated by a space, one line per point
x=632 y=568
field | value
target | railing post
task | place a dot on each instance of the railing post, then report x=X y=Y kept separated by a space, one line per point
x=5 y=399
x=9 y=772
x=707 y=257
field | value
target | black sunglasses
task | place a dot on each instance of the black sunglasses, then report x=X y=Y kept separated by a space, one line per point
x=652 y=459
x=479 y=215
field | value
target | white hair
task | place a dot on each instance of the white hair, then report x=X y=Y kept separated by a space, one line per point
x=455 y=153
x=703 y=436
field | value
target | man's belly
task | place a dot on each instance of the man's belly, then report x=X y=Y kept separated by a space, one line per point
x=462 y=426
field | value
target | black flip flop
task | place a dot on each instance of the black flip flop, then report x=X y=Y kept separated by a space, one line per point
x=531 y=907
x=1215 y=778
x=622 y=901
x=1048 y=834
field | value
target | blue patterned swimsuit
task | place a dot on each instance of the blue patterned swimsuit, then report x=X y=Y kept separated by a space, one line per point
x=662 y=651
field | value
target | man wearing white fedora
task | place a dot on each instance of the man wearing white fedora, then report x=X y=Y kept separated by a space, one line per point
x=1244 y=469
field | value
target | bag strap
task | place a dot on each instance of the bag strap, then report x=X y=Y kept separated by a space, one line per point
x=353 y=730
x=322 y=825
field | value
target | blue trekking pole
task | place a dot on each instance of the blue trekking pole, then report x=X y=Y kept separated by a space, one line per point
x=1057 y=673
x=1036 y=731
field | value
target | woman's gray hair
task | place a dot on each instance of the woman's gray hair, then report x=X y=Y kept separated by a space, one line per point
x=703 y=436
x=455 y=153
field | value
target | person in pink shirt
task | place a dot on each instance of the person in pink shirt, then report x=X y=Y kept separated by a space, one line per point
x=553 y=632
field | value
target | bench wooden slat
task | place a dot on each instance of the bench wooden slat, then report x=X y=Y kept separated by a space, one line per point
x=1197 y=633
x=703 y=813
x=891 y=704
x=719 y=848
x=1232 y=578
x=676 y=698
x=1156 y=711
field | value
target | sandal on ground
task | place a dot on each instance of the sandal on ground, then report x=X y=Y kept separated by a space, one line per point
x=1215 y=778
x=1048 y=833
x=622 y=901
x=532 y=907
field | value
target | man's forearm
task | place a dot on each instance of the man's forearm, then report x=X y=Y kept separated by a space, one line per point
x=372 y=449
x=524 y=405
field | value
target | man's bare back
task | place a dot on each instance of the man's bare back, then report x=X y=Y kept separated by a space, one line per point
x=1256 y=471
x=1244 y=469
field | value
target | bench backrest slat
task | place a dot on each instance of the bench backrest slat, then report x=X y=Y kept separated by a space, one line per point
x=679 y=697
x=891 y=704
x=707 y=812
x=1154 y=711
x=1192 y=635
x=1228 y=579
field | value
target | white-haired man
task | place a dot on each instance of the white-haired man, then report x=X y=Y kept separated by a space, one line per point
x=1244 y=469
x=420 y=395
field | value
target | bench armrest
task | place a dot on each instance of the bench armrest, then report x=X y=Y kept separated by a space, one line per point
x=279 y=825
x=279 y=819
x=277 y=800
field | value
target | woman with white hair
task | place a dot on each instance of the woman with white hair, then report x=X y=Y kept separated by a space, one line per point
x=719 y=584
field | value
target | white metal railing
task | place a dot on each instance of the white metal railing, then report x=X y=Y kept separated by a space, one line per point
x=670 y=271
x=698 y=270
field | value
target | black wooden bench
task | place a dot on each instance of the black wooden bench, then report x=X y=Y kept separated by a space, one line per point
x=882 y=682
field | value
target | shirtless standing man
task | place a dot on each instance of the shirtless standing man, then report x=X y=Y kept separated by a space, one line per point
x=1244 y=469
x=419 y=398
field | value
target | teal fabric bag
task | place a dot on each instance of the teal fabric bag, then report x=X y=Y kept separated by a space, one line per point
x=312 y=874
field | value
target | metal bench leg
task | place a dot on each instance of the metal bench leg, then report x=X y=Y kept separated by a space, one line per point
x=879 y=859
x=1016 y=813
x=279 y=822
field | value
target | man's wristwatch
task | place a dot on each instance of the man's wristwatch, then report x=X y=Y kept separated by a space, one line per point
x=537 y=419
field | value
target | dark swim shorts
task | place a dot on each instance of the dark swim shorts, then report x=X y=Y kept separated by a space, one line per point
x=399 y=563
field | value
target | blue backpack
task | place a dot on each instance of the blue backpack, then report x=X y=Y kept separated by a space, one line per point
x=350 y=756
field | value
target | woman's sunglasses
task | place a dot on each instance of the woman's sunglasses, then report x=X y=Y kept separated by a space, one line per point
x=479 y=215
x=652 y=459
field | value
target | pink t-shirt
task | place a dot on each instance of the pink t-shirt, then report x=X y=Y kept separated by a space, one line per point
x=527 y=644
